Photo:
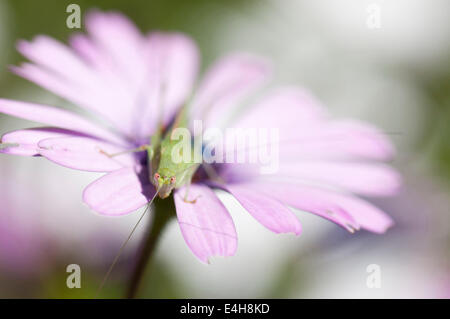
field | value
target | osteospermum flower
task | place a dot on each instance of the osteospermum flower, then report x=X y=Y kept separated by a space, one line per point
x=133 y=81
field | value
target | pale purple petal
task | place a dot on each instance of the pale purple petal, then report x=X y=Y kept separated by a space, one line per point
x=116 y=72
x=271 y=213
x=84 y=153
x=119 y=192
x=110 y=86
x=26 y=141
x=55 y=57
x=90 y=52
x=114 y=95
x=367 y=215
x=147 y=74
x=99 y=92
x=77 y=90
x=345 y=210
x=119 y=38
x=371 y=179
x=50 y=81
x=226 y=84
x=119 y=51
x=307 y=200
x=307 y=132
x=287 y=108
x=344 y=139
x=61 y=71
x=55 y=117
x=206 y=225
x=364 y=139
x=287 y=113
x=173 y=60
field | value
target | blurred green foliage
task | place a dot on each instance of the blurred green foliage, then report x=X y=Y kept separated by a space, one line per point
x=437 y=89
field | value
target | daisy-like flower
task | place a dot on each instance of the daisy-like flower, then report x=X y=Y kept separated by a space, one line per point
x=133 y=82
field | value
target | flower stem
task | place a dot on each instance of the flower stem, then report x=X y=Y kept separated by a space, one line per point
x=163 y=211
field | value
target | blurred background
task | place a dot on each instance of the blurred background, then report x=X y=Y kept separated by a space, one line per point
x=395 y=75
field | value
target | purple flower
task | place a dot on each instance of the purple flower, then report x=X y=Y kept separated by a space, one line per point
x=22 y=240
x=122 y=76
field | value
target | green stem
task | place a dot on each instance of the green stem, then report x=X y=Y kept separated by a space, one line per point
x=163 y=210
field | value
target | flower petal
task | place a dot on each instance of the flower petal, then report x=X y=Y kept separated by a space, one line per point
x=115 y=71
x=372 y=179
x=206 y=225
x=85 y=47
x=337 y=139
x=227 y=82
x=352 y=138
x=367 y=215
x=55 y=57
x=85 y=153
x=26 y=141
x=55 y=117
x=118 y=47
x=306 y=132
x=119 y=192
x=306 y=200
x=345 y=210
x=173 y=60
x=119 y=39
x=268 y=211
x=285 y=108
x=110 y=90
x=96 y=91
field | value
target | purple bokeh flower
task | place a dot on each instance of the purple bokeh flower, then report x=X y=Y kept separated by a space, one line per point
x=23 y=245
x=117 y=73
